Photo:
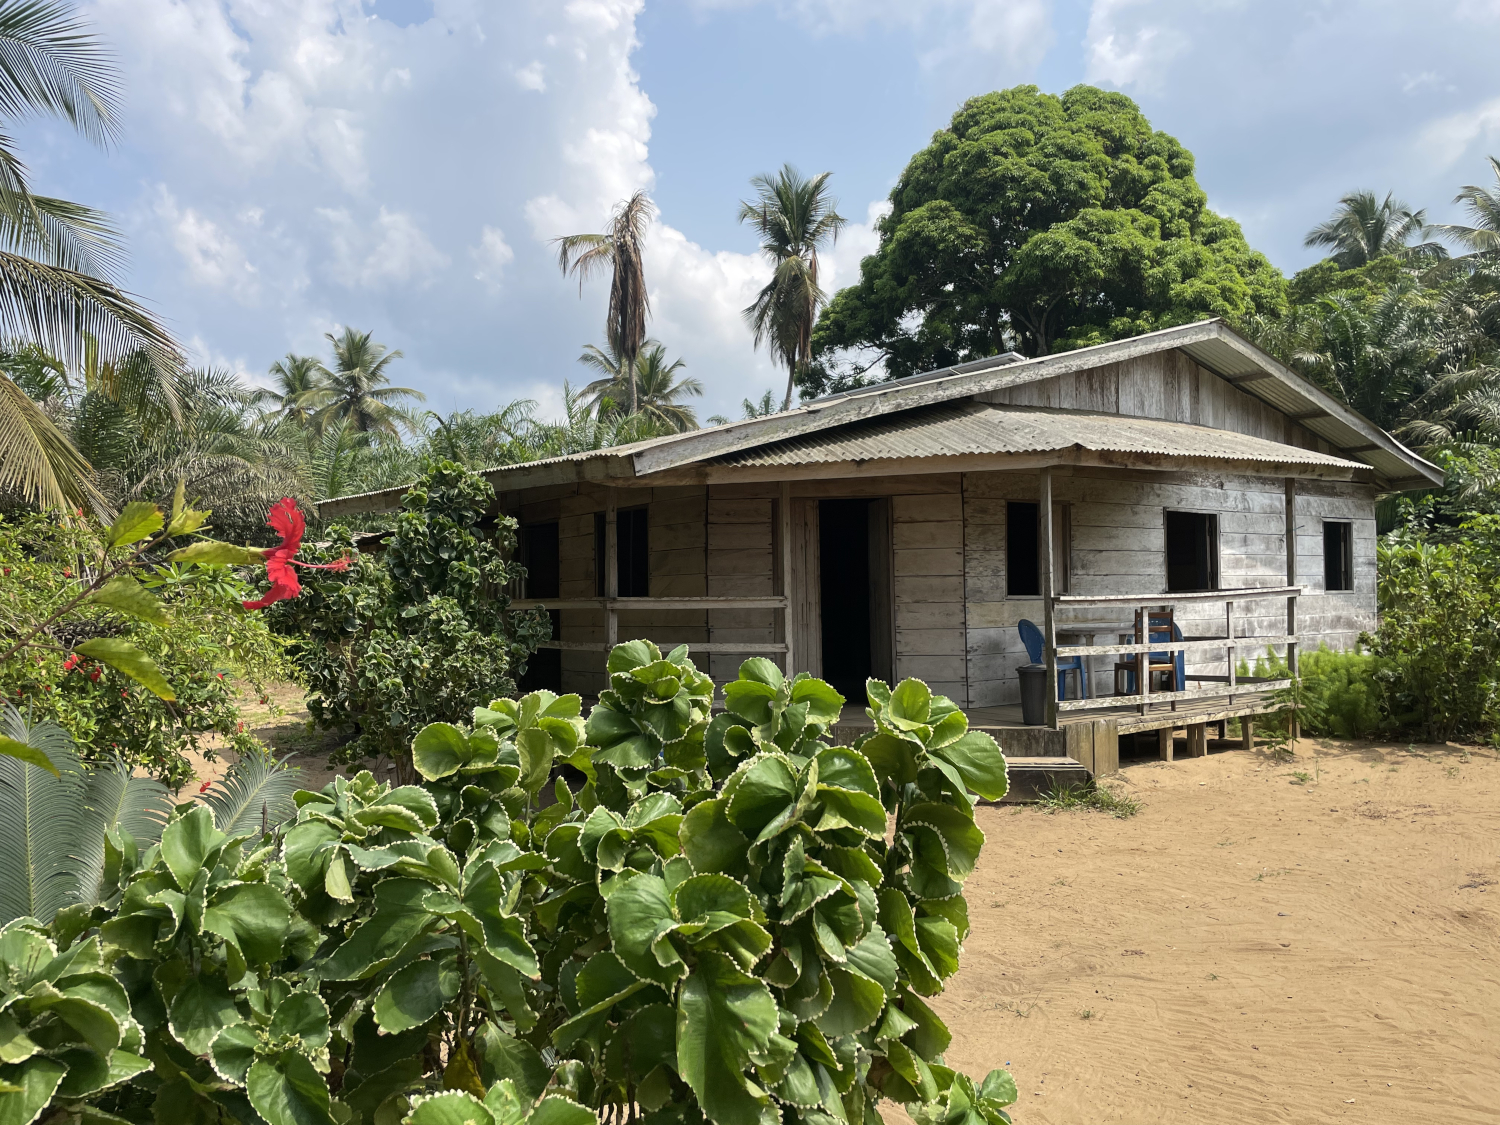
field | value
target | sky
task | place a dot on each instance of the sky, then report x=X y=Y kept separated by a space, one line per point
x=288 y=167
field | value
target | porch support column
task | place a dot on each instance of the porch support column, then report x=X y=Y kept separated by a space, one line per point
x=1294 y=727
x=1049 y=613
x=788 y=614
x=611 y=572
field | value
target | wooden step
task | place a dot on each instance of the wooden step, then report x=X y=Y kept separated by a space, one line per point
x=1030 y=777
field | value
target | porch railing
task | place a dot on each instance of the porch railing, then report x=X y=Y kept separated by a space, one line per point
x=1232 y=640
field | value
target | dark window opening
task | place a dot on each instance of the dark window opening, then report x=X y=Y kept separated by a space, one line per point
x=1338 y=556
x=1023 y=577
x=599 y=590
x=635 y=553
x=1192 y=552
x=844 y=588
x=543 y=562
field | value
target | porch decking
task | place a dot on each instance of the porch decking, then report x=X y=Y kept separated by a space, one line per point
x=1086 y=743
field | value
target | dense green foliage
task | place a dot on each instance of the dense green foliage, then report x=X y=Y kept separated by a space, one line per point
x=722 y=918
x=193 y=634
x=1043 y=223
x=415 y=633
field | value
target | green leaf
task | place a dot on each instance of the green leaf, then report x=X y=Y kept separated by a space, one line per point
x=824 y=704
x=452 y=1107
x=601 y=984
x=639 y=914
x=535 y=748
x=631 y=654
x=15 y=1045
x=962 y=839
x=554 y=1110
x=723 y=1017
x=89 y=1072
x=857 y=1002
x=413 y=995
x=210 y=552
x=503 y=1056
x=202 y=1008
x=253 y=915
x=709 y=841
x=910 y=704
x=136 y=521
x=288 y=1091
x=439 y=750
x=766 y=791
x=378 y=939
x=125 y=595
x=33 y=1083
x=124 y=657
x=186 y=844
x=999 y=1087
x=233 y=1051
x=91 y=1019
x=31 y=755
x=304 y=1015
x=977 y=758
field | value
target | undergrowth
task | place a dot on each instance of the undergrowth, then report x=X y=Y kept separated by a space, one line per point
x=1065 y=795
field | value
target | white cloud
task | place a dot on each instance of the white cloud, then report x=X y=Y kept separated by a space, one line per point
x=213 y=258
x=392 y=250
x=491 y=255
x=532 y=76
x=1126 y=50
x=1448 y=139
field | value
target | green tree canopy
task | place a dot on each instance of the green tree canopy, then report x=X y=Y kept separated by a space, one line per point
x=1040 y=223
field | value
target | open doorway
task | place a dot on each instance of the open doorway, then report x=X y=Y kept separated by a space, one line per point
x=854 y=564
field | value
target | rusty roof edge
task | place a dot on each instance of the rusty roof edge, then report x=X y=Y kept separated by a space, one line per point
x=1320 y=398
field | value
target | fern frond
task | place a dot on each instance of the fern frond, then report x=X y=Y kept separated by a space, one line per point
x=41 y=818
x=257 y=790
x=113 y=799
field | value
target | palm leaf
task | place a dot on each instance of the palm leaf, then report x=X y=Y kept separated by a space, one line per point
x=37 y=461
x=41 y=820
x=50 y=63
x=116 y=801
x=256 y=791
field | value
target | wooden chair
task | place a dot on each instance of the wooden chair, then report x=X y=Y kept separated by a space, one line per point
x=1168 y=665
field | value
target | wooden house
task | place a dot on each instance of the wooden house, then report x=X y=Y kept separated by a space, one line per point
x=909 y=528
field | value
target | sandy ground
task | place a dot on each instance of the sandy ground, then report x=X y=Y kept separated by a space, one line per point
x=1251 y=946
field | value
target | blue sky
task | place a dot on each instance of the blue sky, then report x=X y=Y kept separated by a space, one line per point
x=290 y=166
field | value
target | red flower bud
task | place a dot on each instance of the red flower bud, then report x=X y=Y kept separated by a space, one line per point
x=67 y=573
x=70 y=663
x=94 y=676
x=124 y=694
x=205 y=787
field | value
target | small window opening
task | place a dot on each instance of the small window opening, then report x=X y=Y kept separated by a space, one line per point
x=1192 y=552
x=1338 y=555
x=1022 y=573
x=541 y=557
x=635 y=553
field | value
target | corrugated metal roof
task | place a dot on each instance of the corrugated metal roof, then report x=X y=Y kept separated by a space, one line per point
x=959 y=428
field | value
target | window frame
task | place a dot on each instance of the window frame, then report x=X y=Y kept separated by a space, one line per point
x=1215 y=553
x=1346 y=562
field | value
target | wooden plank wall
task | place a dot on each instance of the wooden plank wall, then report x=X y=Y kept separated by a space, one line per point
x=741 y=563
x=927 y=536
x=1119 y=548
x=1168 y=385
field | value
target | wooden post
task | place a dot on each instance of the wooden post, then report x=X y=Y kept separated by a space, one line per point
x=1049 y=611
x=1291 y=601
x=784 y=519
x=1197 y=740
x=1143 y=659
x=611 y=570
x=1164 y=743
x=1229 y=648
x=1247 y=733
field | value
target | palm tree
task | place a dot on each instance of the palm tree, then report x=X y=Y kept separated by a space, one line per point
x=795 y=218
x=56 y=257
x=1483 y=205
x=357 y=389
x=300 y=389
x=620 y=249
x=1363 y=228
x=483 y=441
x=657 y=396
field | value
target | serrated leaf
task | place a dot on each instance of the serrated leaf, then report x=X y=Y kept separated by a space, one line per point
x=710 y=841
x=977 y=758
x=138 y=520
x=535 y=748
x=90 y=1073
x=288 y=1091
x=414 y=994
x=439 y=750
x=452 y=1107
x=187 y=842
x=233 y=1051
x=202 y=1008
x=125 y=595
x=723 y=1017
x=124 y=657
x=32 y=1083
x=255 y=916
x=639 y=914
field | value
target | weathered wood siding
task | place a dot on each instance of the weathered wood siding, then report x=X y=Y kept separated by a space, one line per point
x=1168 y=385
x=1118 y=547
x=741 y=563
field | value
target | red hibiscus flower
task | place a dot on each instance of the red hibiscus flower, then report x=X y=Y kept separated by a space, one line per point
x=70 y=663
x=205 y=787
x=287 y=521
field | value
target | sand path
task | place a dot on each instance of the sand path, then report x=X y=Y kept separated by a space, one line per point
x=1250 y=947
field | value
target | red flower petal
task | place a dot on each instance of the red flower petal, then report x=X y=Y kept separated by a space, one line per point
x=288 y=522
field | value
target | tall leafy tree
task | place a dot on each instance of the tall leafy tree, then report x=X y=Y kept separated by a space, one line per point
x=795 y=217
x=57 y=258
x=1039 y=223
x=299 y=390
x=659 y=394
x=621 y=250
x=1364 y=227
x=357 y=391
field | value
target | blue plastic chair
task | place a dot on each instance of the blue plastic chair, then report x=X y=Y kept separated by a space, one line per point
x=1179 y=672
x=1036 y=650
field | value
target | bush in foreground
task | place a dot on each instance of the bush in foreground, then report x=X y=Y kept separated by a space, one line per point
x=722 y=918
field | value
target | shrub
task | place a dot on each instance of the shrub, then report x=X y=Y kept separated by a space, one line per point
x=416 y=633
x=1439 y=636
x=193 y=636
x=727 y=919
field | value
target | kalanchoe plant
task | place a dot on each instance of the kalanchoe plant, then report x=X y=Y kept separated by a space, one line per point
x=656 y=912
